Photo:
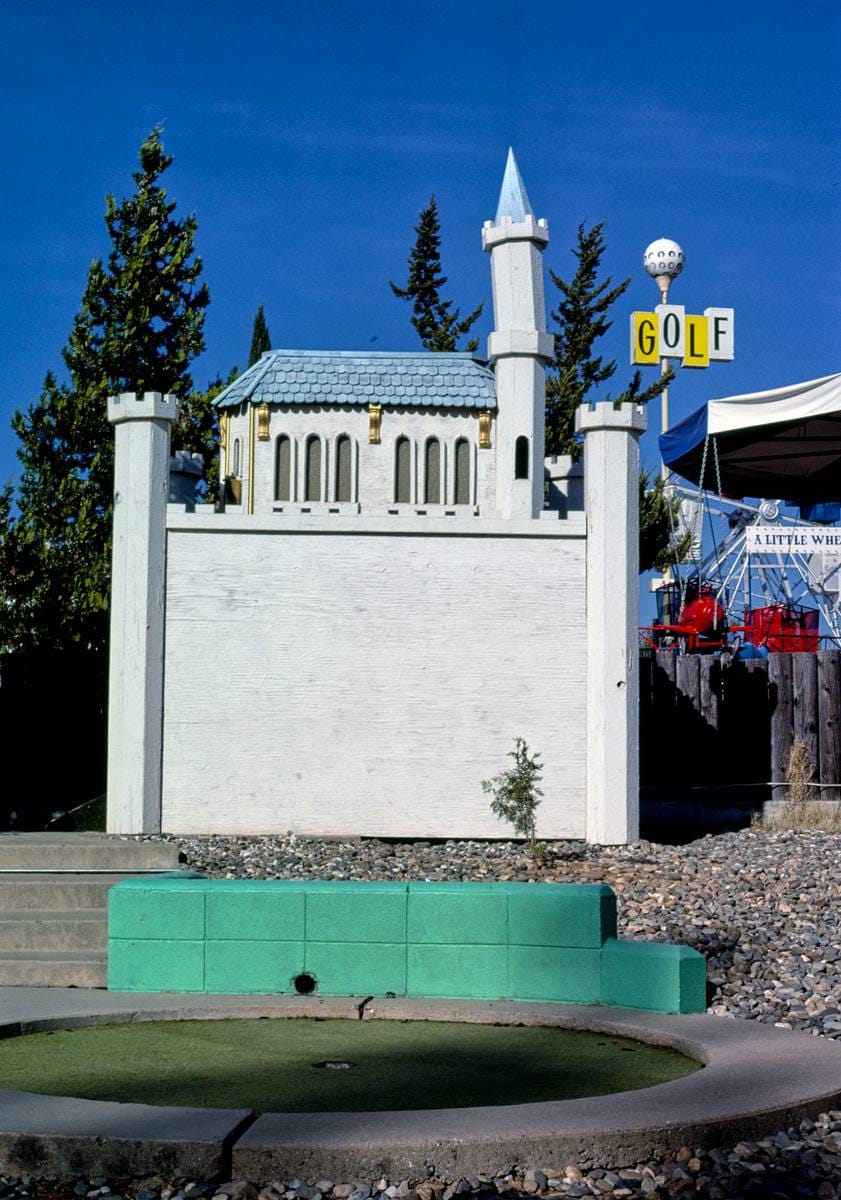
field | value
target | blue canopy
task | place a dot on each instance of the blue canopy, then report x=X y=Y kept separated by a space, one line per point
x=781 y=443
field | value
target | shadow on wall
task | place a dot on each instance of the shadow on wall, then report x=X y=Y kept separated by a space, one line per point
x=53 y=718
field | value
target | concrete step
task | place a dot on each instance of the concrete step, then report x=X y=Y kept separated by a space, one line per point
x=38 y=930
x=45 y=851
x=53 y=968
x=55 y=893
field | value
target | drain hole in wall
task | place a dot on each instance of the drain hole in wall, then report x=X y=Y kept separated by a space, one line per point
x=305 y=984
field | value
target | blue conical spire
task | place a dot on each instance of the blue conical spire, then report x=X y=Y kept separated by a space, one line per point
x=513 y=198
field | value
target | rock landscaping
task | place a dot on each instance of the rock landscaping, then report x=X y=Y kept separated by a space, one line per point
x=764 y=908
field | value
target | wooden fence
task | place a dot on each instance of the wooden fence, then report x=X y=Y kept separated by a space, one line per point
x=719 y=736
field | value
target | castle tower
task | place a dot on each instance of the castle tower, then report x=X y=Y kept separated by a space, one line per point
x=519 y=346
x=135 y=672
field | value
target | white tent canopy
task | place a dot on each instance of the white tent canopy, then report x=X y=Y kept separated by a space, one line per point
x=784 y=443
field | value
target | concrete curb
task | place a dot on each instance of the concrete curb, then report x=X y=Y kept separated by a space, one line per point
x=756 y=1080
x=58 y=1136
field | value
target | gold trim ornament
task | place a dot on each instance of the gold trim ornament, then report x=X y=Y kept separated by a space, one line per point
x=485 y=429
x=375 y=418
x=263 y=422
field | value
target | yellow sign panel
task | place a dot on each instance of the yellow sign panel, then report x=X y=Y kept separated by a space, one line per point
x=672 y=333
x=697 y=342
x=644 y=338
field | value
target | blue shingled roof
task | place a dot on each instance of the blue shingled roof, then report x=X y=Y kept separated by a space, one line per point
x=422 y=380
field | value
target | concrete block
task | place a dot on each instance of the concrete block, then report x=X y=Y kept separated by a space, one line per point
x=357 y=968
x=53 y=930
x=240 y=967
x=554 y=973
x=456 y=914
x=560 y=914
x=262 y=910
x=58 y=1137
x=164 y=909
x=357 y=912
x=143 y=965
x=53 y=968
x=54 y=892
x=46 y=850
x=476 y=972
x=653 y=975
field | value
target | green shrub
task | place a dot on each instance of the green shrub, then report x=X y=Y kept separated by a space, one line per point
x=516 y=794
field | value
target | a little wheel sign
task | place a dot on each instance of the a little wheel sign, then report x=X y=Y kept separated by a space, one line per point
x=671 y=332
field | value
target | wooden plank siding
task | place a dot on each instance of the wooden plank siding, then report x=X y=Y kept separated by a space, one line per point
x=715 y=736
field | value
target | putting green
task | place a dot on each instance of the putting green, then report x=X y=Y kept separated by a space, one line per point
x=331 y=1066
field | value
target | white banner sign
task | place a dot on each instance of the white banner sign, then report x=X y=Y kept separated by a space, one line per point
x=792 y=539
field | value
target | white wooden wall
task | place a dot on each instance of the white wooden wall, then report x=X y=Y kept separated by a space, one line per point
x=366 y=681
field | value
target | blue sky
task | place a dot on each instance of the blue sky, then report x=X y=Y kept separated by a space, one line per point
x=307 y=137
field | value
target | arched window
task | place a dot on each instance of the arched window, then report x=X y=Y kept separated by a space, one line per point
x=403 y=471
x=283 y=469
x=236 y=458
x=343 y=457
x=432 y=472
x=462 y=481
x=312 y=485
x=522 y=454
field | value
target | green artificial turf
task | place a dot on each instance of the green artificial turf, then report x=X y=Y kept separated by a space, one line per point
x=271 y=1065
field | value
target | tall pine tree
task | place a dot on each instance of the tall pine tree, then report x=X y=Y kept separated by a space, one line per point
x=260 y=338
x=139 y=326
x=437 y=323
x=582 y=319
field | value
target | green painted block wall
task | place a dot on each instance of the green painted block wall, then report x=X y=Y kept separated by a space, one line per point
x=167 y=910
x=571 y=975
x=258 y=910
x=358 y=913
x=155 y=966
x=561 y=914
x=542 y=942
x=653 y=975
x=358 y=968
x=457 y=914
x=479 y=972
x=241 y=967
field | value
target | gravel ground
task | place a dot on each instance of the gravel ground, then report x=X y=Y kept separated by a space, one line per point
x=764 y=908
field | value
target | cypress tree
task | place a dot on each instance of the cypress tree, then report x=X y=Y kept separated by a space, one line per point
x=581 y=319
x=139 y=326
x=437 y=326
x=260 y=338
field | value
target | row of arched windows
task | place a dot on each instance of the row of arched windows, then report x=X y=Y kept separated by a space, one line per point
x=314 y=485
x=301 y=474
x=431 y=486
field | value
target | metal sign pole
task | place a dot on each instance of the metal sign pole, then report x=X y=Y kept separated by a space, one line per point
x=664 y=261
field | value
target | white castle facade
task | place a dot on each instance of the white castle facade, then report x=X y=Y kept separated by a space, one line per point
x=386 y=601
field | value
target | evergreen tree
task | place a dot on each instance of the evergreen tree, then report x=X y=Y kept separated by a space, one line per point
x=260 y=338
x=437 y=326
x=139 y=326
x=661 y=542
x=582 y=319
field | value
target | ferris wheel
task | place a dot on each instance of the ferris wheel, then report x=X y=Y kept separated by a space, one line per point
x=776 y=577
x=766 y=570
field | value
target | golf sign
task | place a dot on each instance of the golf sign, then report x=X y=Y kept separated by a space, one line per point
x=671 y=332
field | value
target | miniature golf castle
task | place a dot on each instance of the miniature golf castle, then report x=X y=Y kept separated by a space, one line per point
x=386 y=601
